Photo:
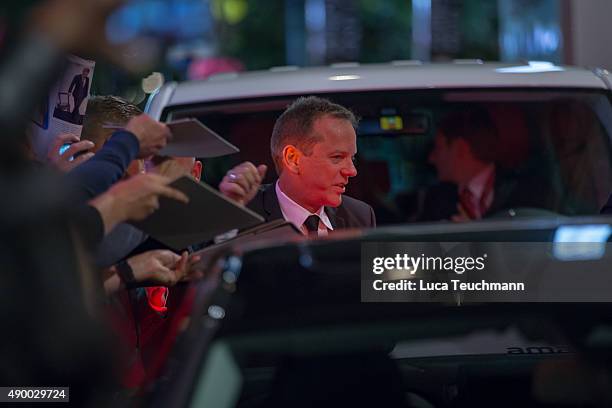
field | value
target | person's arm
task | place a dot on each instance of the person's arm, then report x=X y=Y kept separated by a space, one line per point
x=134 y=199
x=106 y=167
x=89 y=223
x=153 y=268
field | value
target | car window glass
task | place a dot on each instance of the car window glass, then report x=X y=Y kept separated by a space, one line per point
x=553 y=150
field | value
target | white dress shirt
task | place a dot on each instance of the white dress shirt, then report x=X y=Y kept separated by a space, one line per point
x=477 y=186
x=296 y=214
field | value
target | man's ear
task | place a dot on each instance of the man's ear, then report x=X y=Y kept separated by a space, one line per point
x=196 y=170
x=291 y=159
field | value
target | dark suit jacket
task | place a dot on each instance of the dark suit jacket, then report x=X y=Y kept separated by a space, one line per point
x=351 y=213
x=440 y=202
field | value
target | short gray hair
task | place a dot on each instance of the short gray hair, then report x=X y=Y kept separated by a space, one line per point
x=294 y=126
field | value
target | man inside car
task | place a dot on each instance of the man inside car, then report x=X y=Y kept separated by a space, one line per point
x=313 y=145
x=473 y=186
x=463 y=155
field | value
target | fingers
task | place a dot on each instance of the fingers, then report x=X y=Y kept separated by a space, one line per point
x=243 y=179
x=194 y=259
x=164 y=270
x=192 y=271
x=253 y=172
x=152 y=205
x=82 y=158
x=155 y=265
x=182 y=266
x=152 y=135
x=138 y=197
x=238 y=178
x=166 y=257
x=78 y=147
x=165 y=276
x=462 y=212
x=64 y=161
x=158 y=185
x=232 y=189
x=61 y=140
x=262 y=169
x=461 y=215
x=250 y=174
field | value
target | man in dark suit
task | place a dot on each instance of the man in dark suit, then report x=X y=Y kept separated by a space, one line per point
x=466 y=148
x=463 y=154
x=313 y=145
x=79 y=88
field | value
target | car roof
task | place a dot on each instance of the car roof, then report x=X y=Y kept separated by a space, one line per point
x=350 y=77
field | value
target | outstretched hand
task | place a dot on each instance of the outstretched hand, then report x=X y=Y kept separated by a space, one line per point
x=151 y=134
x=242 y=182
x=134 y=199
x=62 y=161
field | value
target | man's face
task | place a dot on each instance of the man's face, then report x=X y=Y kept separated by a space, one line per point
x=325 y=173
x=85 y=72
x=445 y=157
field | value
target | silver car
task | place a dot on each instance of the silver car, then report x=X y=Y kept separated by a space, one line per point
x=554 y=126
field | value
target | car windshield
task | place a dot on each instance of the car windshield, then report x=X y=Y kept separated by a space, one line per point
x=552 y=146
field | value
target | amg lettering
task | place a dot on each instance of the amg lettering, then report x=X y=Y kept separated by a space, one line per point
x=537 y=350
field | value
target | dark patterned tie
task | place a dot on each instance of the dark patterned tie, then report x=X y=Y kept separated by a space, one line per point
x=312 y=224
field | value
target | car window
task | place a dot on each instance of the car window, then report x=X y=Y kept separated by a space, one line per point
x=552 y=150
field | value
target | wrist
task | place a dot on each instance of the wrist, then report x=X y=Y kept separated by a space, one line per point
x=126 y=274
x=110 y=212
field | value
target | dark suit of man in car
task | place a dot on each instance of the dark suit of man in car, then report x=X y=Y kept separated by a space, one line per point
x=313 y=145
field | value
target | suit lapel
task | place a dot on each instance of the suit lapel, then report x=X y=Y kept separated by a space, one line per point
x=502 y=193
x=273 y=211
x=270 y=203
x=336 y=220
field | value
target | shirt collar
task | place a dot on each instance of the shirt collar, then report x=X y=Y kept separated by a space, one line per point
x=295 y=213
x=478 y=183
